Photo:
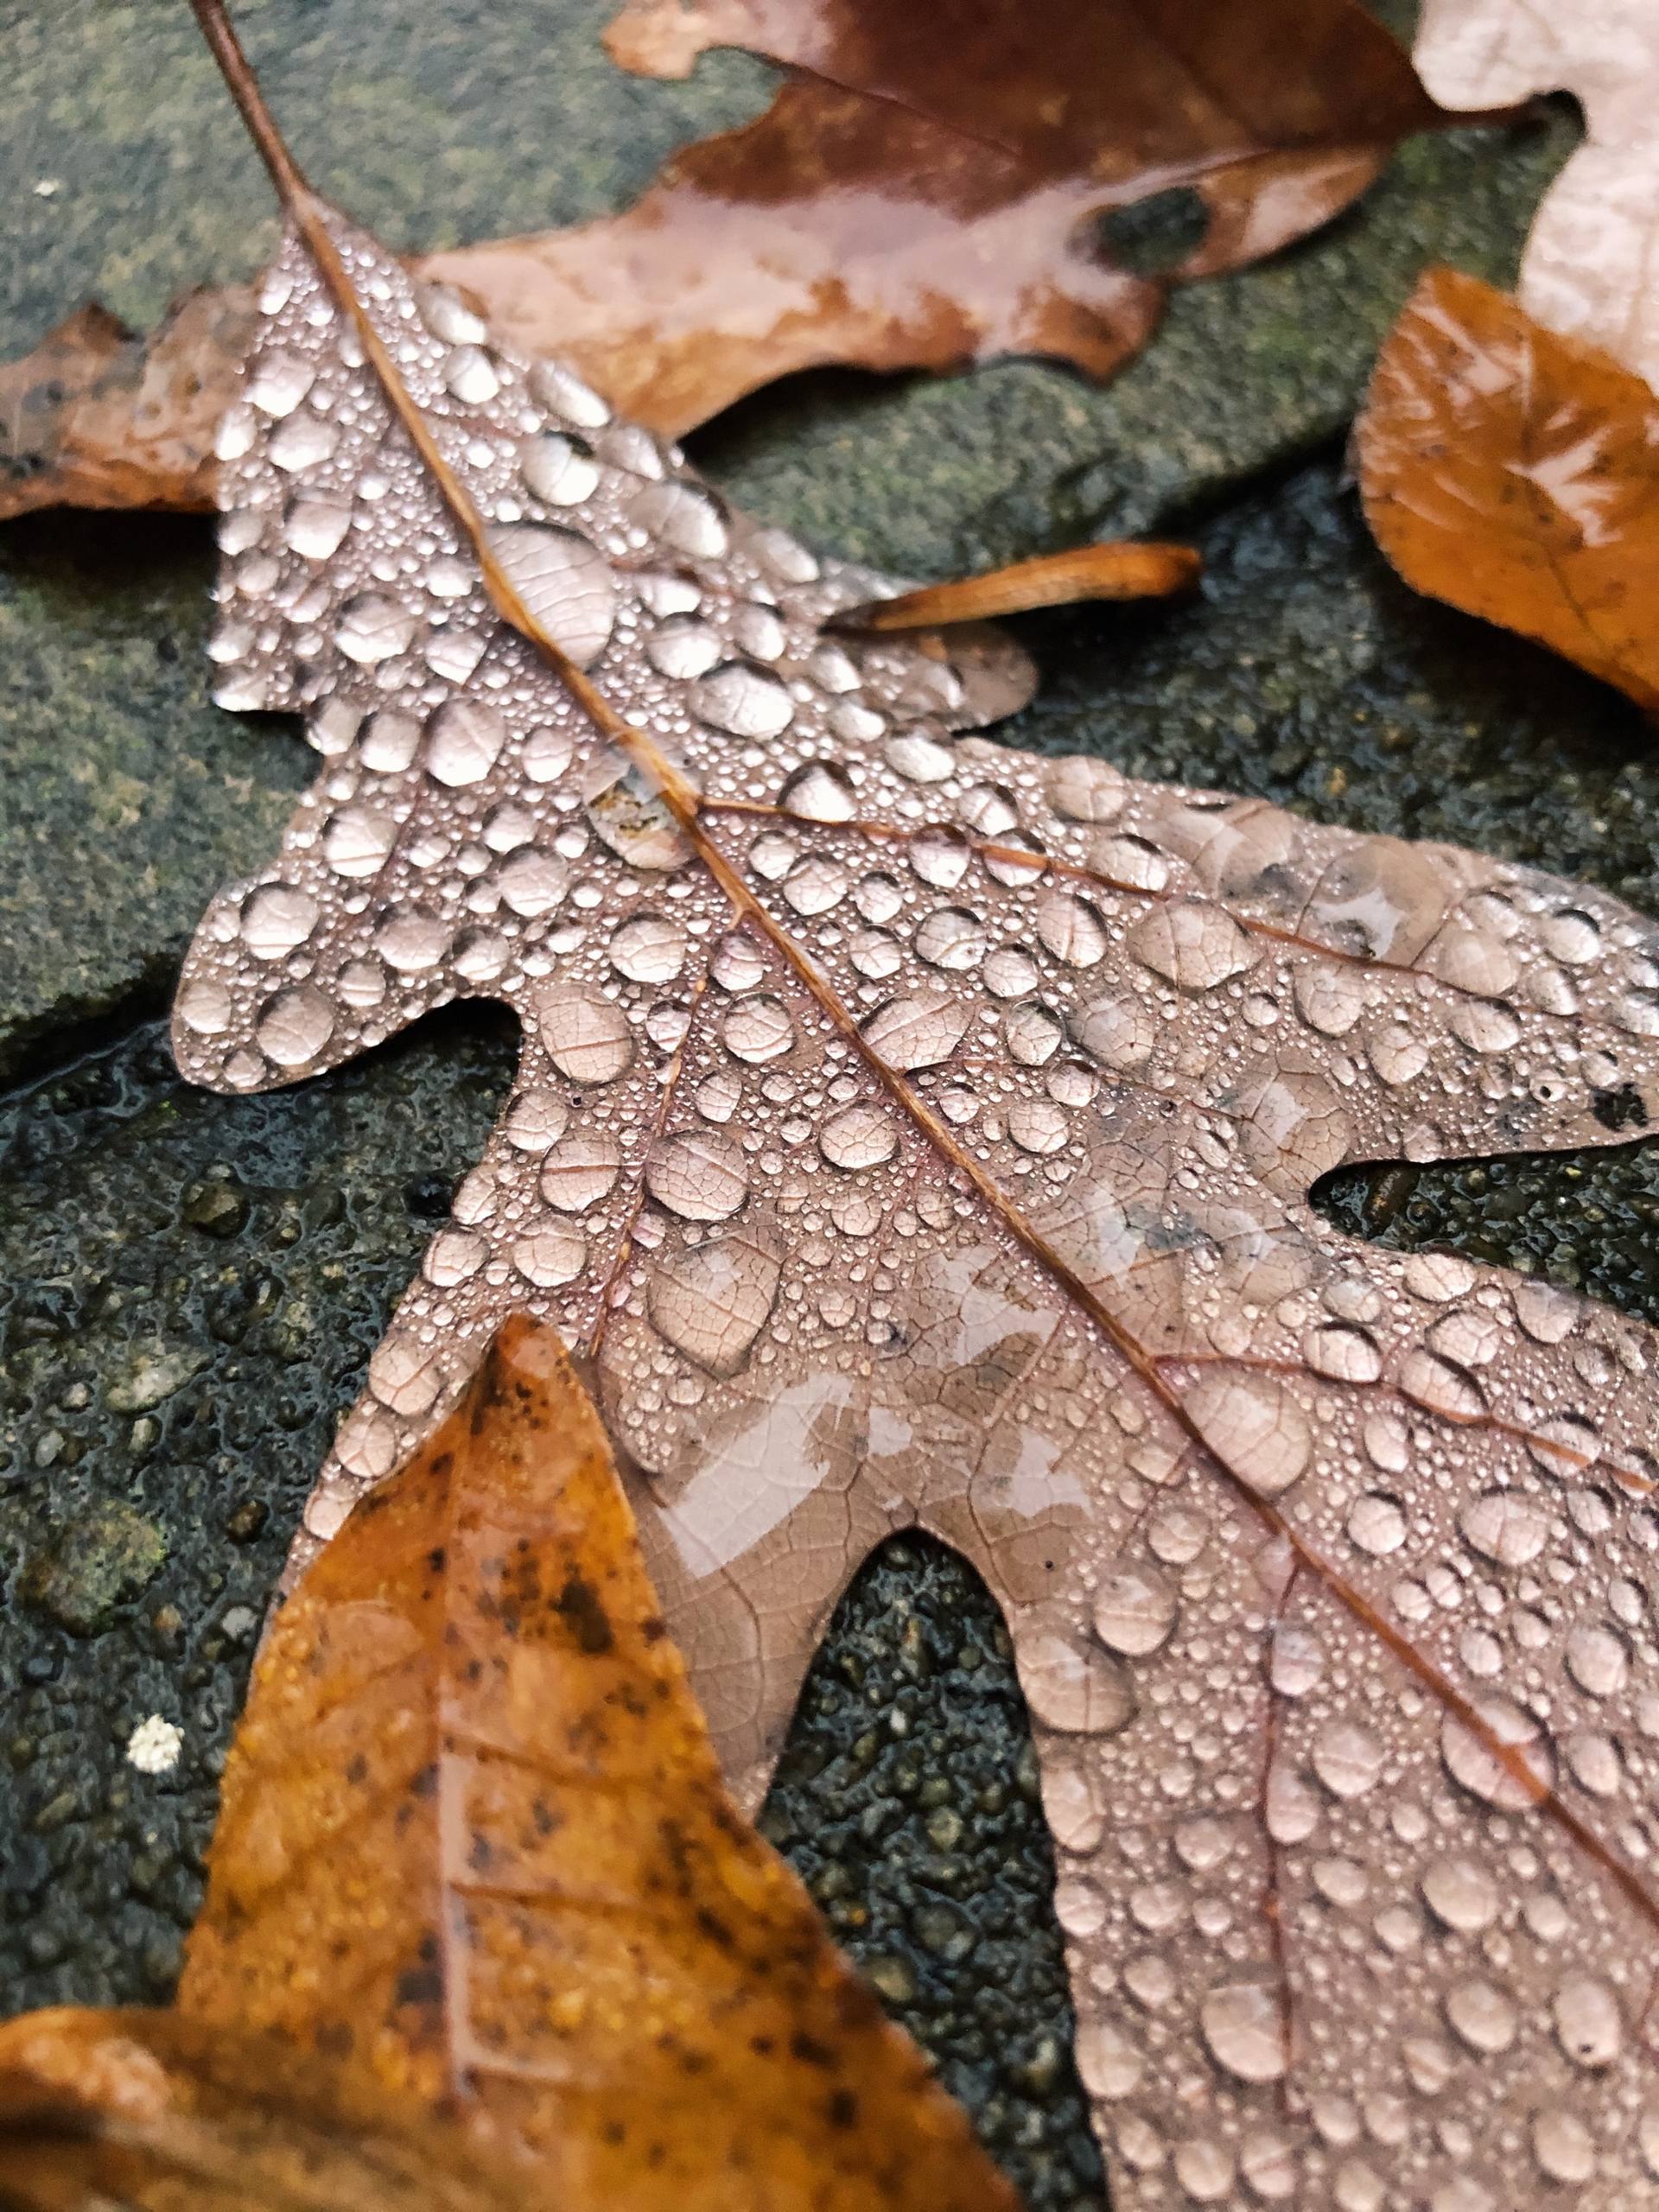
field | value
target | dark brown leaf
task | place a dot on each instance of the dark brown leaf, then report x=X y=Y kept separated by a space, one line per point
x=1516 y=474
x=925 y=192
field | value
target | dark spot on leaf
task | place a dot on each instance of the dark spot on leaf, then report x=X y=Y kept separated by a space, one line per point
x=581 y=1605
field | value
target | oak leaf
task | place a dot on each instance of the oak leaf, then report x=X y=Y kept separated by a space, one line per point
x=1516 y=474
x=1587 y=270
x=477 y=1883
x=910 y=1130
x=923 y=193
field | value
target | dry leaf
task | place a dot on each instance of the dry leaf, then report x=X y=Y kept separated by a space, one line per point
x=1516 y=474
x=931 y=207
x=1588 y=268
x=927 y=193
x=474 y=1854
x=98 y=417
x=911 y=1130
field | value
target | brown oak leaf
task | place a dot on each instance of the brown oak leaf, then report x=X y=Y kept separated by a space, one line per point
x=912 y=1131
x=477 y=1885
x=1516 y=474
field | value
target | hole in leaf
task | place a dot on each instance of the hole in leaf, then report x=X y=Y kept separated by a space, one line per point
x=1586 y=1221
x=1150 y=237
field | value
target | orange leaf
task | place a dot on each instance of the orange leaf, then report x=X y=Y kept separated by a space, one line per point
x=474 y=1845
x=98 y=417
x=1114 y=571
x=1516 y=474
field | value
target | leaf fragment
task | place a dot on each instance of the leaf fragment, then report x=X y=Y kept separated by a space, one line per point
x=483 y=1926
x=1515 y=474
x=1588 y=269
x=148 y=2109
x=1145 y=570
x=98 y=417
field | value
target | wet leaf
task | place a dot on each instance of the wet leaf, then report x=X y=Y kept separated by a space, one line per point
x=926 y=194
x=475 y=1858
x=1516 y=474
x=910 y=1129
x=929 y=188
x=1587 y=271
x=98 y=417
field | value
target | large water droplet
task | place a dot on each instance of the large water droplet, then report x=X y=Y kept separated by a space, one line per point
x=580 y=1169
x=1075 y=1687
x=293 y=1026
x=586 y=1037
x=1245 y=2030
x=683 y=516
x=1072 y=929
x=532 y=881
x=1346 y=1758
x=1376 y=1522
x=757 y=1029
x=1589 y=2026
x=562 y=392
x=684 y=648
x=1460 y=1894
x=276 y=919
x=358 y=841
x=555 y=1253
x=316 y=528
x=649 y=949
x=1135 y=1613
x=951 y=937
x=412 y=939
x=1504 y=1528
x=464 y=739
x=698 y=1175
x=712 y=1302
x=372 y=628
x=565 y=582
x=1253 y=1425
x=745 y=702
x=1192 y=944
x=1513 y=1770
x=915 y=1033
x=302 y=441
x=863 y=1135
x=557 y=471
